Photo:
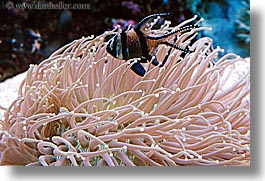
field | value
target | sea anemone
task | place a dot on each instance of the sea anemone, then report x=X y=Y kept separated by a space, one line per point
x=81 y=106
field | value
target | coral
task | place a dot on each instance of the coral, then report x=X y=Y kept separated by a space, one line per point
x=83 y=107
x=229 y=19
x=122 y=23
x=135 y=8
x=243 y=25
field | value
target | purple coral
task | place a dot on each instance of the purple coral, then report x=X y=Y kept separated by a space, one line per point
x=132 y=6
x=123 y=24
